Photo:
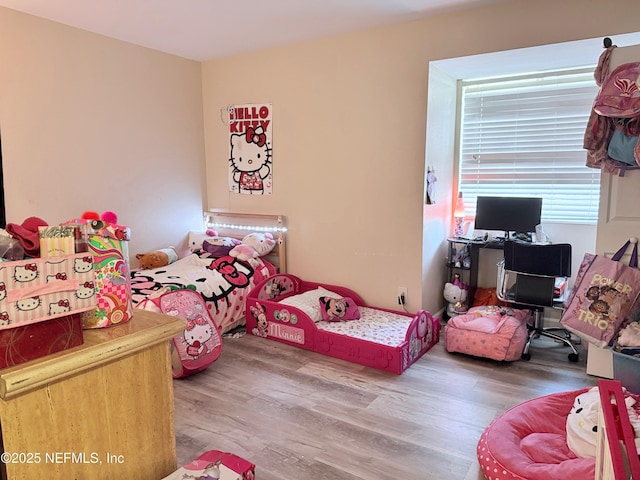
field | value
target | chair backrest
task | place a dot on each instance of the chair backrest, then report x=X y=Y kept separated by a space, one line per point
x=553 y=260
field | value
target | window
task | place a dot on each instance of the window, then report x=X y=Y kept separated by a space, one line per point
x=522 y=136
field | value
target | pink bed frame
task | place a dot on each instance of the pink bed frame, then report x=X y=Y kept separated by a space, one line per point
x=290 y=325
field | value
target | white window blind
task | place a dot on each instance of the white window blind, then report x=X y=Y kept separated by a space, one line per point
x=523 y=137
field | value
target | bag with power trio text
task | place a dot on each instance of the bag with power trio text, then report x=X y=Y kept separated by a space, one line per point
x=604 y=293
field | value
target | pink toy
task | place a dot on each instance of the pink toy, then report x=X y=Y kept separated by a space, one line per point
x=287 y=309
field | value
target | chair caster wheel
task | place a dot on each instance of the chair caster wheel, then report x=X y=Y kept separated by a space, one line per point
x=526 y=356
x=573 y=357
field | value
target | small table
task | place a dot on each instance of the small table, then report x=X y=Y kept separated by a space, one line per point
x=101 y=410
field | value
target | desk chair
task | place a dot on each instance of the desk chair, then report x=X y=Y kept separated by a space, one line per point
x=527 y=278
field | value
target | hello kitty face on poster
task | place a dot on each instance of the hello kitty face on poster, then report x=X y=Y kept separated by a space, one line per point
x=25 y=273
x=3 y=291
x=27 y=304
x=250 y=160
x=86 y=290
x=83 y=265
x=4 y=318
x=197 y=333
x=61 y=306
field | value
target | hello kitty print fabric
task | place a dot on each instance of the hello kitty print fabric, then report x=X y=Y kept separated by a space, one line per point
x=42 y=288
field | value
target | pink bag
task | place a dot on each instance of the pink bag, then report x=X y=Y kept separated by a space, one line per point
x=619 y=95
x=604 y=292
x=201 y=343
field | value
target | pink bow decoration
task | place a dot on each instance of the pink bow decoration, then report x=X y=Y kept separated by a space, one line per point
x=256 y=136
x=460 y=285
x=198 y=321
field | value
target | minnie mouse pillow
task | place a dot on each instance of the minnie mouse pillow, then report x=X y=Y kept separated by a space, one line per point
x=338 y=309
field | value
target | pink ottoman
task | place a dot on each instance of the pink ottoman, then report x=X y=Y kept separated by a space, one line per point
x=498 y=333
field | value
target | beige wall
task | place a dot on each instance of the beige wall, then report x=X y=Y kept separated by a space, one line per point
x=90 y=123
x=349 y=123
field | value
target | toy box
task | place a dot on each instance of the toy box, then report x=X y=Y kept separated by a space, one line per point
x=40 y=289
x=28 y=342
x=215 y=465
x=626 y=369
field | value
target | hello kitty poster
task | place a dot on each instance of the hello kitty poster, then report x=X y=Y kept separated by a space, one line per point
x=250 y=155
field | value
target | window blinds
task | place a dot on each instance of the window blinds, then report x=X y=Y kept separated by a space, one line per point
x=523 y=137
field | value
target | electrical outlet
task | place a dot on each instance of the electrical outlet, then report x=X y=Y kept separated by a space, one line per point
x=402 y=295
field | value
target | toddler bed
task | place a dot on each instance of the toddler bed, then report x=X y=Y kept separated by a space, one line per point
x=335 y=321
x=222 y=280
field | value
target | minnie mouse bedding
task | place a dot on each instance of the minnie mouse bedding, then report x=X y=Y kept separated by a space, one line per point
x=223 y=282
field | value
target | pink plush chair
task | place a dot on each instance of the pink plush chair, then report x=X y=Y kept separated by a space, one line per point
x=529 y=441
x=498 y=333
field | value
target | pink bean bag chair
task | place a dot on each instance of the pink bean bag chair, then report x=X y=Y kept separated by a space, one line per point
x=529 y=441
x=498 y=333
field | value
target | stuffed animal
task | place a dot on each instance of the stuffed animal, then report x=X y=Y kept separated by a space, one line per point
x=455 y=293
x=157 y=258
x=253 y=246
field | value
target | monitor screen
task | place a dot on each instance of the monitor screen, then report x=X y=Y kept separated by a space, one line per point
x=508 y=214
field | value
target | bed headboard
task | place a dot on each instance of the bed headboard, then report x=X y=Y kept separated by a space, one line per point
x=237 y=225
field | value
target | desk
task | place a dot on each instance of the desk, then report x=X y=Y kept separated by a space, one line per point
x=471 y=279
x=102 y=410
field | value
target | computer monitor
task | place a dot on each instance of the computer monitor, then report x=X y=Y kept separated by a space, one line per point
x=508 y=214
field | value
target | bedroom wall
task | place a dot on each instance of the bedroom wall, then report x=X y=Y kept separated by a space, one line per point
x=91 y=123
x=349 y=130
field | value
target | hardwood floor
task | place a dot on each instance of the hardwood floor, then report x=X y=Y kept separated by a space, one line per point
x=299 y=415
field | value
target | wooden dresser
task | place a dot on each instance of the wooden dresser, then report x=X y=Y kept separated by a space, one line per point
x=102 y=410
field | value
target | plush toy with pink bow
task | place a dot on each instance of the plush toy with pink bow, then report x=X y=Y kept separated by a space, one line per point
x=455 y=293
x=253 y=246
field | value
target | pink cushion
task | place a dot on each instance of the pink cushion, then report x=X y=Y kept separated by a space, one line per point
x=529 y=441
x=497 y=333
x=338 y=309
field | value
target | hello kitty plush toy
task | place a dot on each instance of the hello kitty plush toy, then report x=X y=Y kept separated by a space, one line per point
x=455 y=293
x=253 y=246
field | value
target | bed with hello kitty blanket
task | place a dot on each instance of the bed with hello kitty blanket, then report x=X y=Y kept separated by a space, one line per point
x=221 y=279
x=335 y=321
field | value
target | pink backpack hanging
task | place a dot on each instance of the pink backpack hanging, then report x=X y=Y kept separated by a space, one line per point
x=200 y=343
x=619 y=95
x=619 y=99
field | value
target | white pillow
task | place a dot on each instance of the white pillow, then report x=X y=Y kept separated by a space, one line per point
x=195 y=241
x=309 y=302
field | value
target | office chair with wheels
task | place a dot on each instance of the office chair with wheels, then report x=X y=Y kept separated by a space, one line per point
x=535 y=276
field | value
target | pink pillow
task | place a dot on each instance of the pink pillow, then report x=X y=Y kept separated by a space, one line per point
x=338 y=309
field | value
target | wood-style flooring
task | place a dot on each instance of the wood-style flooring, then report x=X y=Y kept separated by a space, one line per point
x=299 y=415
